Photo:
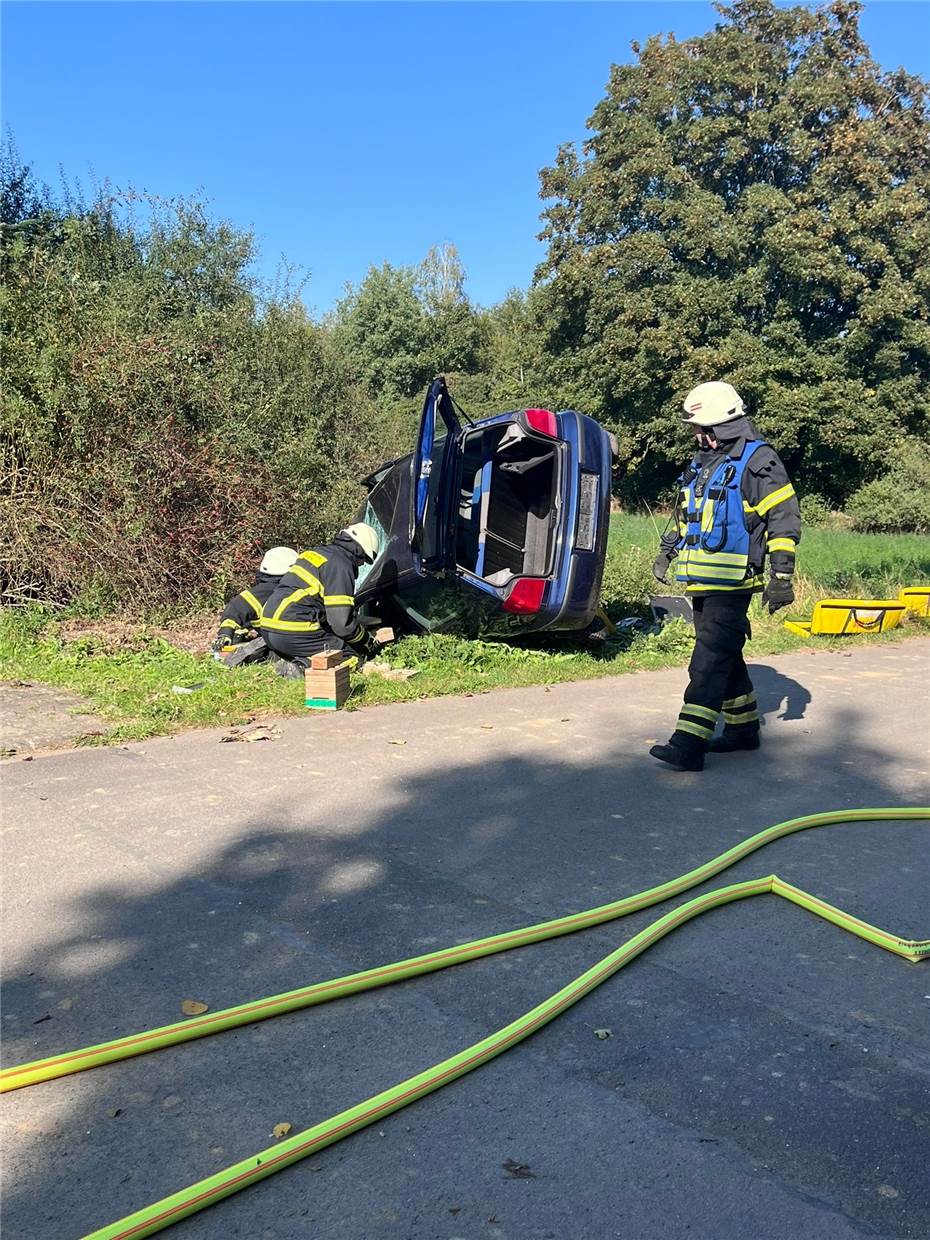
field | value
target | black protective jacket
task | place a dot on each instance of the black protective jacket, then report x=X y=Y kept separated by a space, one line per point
x=317 y=593
x=774 y=514
x=245 y=610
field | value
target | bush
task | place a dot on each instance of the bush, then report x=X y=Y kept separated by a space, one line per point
x=628 y=581
x=162 y=421
x=899 y=501
x=815 y=511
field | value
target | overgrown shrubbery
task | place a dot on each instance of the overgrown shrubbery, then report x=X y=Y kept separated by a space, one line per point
x=899 y=499
x=161 y=421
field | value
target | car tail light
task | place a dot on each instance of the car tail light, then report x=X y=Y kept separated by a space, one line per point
x=543 y=420
x=525 y=595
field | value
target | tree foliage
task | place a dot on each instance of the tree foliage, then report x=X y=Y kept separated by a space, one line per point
x=160 y=422
x=402 y=325
x=752 y=205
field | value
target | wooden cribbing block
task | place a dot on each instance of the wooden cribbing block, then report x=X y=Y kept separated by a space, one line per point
x=328 y=659
x=326 y=688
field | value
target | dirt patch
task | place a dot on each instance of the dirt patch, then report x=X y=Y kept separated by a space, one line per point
x=193 y=634
x=37 y=717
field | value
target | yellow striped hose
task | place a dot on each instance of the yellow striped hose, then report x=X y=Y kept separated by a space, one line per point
x=169 y=1210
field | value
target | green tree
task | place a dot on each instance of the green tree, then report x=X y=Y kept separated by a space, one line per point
x=752 y=205
x=455 y=338
x=384 y=330
x=516 y=364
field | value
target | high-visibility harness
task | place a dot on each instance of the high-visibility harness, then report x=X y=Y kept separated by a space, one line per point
x=713 y=526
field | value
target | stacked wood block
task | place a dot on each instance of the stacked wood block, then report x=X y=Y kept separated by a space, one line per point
x=327 y=681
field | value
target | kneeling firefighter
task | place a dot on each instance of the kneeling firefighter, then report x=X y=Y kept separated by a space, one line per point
x=313 y=606
x=735 y=504
x=244 y=611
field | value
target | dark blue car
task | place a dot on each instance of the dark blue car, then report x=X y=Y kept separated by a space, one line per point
x=497 y=526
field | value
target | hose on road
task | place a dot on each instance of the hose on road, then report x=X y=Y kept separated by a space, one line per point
x=169 y=1210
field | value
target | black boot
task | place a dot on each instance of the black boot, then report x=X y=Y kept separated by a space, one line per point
x=731 y=742
x=246 y=652
x=289 y=668
x=681 y=759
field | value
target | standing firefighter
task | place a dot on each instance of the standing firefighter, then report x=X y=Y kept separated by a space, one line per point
x=735 y=503
x=313 y=607
x=244 y=612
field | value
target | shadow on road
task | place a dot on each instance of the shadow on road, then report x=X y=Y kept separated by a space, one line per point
x=779 y=693
x=757 y=1051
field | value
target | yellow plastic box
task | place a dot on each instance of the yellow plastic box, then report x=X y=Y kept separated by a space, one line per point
x=836 y=617
x=917 y=600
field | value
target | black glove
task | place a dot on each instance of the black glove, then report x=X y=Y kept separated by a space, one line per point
x=777 y=594
x=229 y=637
x=364 y=644
x=661 y=566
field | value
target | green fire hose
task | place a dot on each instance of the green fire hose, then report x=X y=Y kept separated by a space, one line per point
x=169 y=1210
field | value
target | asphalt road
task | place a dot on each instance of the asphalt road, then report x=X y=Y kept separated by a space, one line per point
x=768 y=1076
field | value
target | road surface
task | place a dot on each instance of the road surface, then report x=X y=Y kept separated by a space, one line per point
x=767 y=1075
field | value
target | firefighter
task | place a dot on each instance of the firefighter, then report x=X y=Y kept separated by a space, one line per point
x=735 y=505
x=245 y=610
x=313 y=606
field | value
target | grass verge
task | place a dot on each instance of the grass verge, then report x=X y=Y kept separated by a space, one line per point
x=133 y=683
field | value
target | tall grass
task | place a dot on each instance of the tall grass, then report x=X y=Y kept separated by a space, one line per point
x=829 y=561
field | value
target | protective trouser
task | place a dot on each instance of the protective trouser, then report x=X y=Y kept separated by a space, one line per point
x=719 y=678
x=299 y=647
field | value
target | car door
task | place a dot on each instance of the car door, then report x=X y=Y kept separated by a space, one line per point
x=433 y=473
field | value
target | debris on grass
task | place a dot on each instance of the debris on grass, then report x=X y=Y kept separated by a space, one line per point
x=386 y=672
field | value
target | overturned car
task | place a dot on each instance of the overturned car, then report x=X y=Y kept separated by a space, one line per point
x=495 y=527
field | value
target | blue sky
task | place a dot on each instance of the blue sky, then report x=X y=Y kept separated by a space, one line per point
x=344 y=134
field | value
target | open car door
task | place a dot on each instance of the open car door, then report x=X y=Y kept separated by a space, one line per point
x=433 y=460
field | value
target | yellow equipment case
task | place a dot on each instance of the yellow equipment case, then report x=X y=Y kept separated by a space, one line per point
x=835 y=617
x=917 y=601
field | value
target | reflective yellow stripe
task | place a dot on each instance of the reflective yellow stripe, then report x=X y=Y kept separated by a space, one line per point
x=703 y=712
x=717 y=557
x=716 y=572
x=696 y=729
x=749 y=717
x=707 y=516
x=781 y=544
x=710 y=561
x=312 y=557
x=228 y=624
x=744 y=699
x=696 y=587
x=296 y=596
x=777 y=497
x=316 y=586
x=290 y=626
x=338 y=600
x=252 y=601
x=726 y=559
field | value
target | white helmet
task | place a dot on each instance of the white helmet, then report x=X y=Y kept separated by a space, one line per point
x=712 y=404
x=277 y=561
x=367 y=538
